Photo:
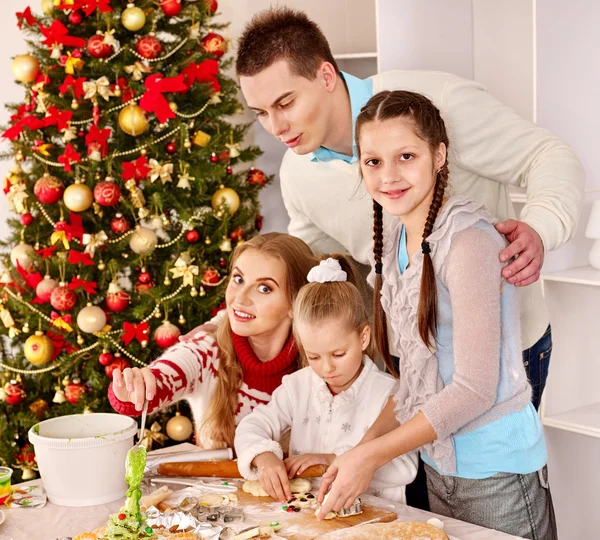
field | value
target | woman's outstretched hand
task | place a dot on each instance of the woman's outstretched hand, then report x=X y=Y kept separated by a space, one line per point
x=134 y=385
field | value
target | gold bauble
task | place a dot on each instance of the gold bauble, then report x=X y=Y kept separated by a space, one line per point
x=101 y=265
x=132 y=120
x=173 y=106
x=133 y=18
x=179 y=428
x=25 y=68
x=24 y=254
x=225 y=244
x=226 y=196
x=38 y=349
x=143 y=241
x=47 y=7
x=91 y=319
x=78 y=197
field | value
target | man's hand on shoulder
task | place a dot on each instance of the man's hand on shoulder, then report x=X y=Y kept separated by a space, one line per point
x=527 y=249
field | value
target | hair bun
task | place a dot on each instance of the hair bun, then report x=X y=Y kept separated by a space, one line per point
x=327 y=271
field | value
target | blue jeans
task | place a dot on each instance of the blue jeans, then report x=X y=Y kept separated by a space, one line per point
x=536 y=361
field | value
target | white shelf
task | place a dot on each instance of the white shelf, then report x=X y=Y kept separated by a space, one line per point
x=585 y=275
x=583 y=420
x=355 y=56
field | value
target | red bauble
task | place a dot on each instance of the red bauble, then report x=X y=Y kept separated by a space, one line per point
x=145 y=277
x=63 y=298
x=73 y=391
x=107 y=193
x=166 y=335
x=237 y=233
x=143 y=287
x=97 y=48
x=105 y=358
x=210 y=277
x=228 y=170
x=119 y=224
x=118 y=362
x=149 y=47
x=213 y=158
x=223 y=263
x=76 y=17
x=192 y=236
x=171 y=147
x=170 y=7
x=48 y=189
x=26 y=219
x=257 y=177
x=117 y=299
x=212 y=6
x=14 y=393
x=214 y=44
x=258 y=222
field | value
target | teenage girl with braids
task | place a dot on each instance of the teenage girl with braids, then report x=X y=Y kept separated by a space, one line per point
x=464 y=398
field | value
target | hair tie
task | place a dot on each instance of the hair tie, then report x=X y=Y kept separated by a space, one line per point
x=425 y=247
x=379 y=268
x=328 y=270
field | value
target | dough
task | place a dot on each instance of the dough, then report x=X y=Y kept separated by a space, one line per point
x=397 y=530
x=211 y=499
x=329 y=515
x=300 y=485
x=297 y=485
x=254 y=488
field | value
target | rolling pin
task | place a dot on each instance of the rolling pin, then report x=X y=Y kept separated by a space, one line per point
x=221 y=469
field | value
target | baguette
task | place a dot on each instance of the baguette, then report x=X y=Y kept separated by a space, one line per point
x=221 y=469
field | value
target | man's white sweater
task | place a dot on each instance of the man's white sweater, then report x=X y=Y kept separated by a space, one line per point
x=491 y=148
x=322 y=423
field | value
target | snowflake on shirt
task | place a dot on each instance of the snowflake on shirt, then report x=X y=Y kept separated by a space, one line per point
x=318 y=419
x=295 y=452
x=305 y=420
x=346 y=427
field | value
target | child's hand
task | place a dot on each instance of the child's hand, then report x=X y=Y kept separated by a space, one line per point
x=296 y=465
x=273 y=476
x=134 y=385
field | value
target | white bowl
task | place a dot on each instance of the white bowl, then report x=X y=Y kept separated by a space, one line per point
x=81 y=457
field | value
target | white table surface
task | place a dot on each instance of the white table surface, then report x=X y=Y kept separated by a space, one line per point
x=52 y=521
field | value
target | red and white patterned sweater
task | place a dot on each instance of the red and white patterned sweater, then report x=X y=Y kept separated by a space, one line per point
x=189 y=371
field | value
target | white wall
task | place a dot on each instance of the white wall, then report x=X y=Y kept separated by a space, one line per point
x=11 y=44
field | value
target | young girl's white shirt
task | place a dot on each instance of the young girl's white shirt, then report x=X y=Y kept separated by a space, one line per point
x=322 y=423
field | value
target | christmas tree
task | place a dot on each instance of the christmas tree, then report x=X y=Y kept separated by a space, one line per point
x=129 y=191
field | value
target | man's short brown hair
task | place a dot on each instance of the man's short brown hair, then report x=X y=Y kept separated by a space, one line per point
x=282 y=33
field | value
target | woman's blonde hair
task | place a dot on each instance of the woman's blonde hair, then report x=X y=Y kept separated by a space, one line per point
x=218 y=429
x=338 y=300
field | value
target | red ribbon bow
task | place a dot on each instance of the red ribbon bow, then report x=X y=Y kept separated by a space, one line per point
x=70 y=156
x=67 y=318
x=137 y=331
x=75 y=83
x=32 y=279
x=153 y=99
x=89 y=286
x=205 y=72
x=46 y=252
x=58 y=118
x=137 y=169
x=58 y=340
x=59 y=34
x=76 y=257
x=25 y=16
x=99 y=138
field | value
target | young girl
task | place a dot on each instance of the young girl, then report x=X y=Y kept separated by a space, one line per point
x=224 y=378
x=330 y=404
x=463 y=398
